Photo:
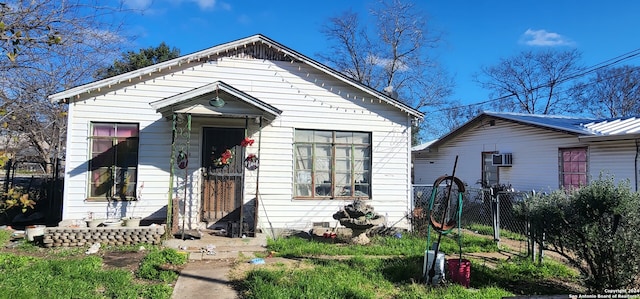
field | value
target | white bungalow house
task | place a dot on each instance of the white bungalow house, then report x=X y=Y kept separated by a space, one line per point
x=533 y=152
x=248 y=132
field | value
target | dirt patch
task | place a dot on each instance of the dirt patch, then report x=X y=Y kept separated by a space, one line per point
x=240 y=268
x=111 y=259
x=129 y=260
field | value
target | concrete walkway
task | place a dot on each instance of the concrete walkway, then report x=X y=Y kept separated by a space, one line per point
x=206 y=275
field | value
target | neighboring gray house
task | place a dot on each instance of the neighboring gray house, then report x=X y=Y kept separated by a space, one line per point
x=249 y=123
x=533 y=152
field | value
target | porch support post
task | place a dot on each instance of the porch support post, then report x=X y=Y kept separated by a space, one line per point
x=171 y=174
x=257 y=202
x=246 y=126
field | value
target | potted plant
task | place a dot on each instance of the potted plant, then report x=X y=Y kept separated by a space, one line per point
x=92 y=221
x=132 y=221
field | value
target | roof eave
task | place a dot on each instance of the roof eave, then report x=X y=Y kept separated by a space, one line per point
x=484 y=115
x=617 y=137
x=163 y=104
x=216 y=50
x=127 y=77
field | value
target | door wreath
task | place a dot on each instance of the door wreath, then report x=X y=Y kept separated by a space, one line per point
x=251 y=162
x=225 y=159
x=182 y=160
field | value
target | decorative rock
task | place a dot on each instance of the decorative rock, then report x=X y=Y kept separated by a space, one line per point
x=359 y=217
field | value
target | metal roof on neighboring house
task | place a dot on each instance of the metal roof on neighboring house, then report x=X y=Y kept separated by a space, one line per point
x=583 y=127
x=423 y=145
x=616 y=126
x=568 y=124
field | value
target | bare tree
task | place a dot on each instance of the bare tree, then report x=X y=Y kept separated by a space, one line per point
x=450 y=116
x=50 y=46
x=533 y=82
x=393 y=57
x=352 y=51
x=611 y=92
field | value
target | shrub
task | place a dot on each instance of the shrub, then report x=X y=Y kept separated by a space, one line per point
x=595 y=228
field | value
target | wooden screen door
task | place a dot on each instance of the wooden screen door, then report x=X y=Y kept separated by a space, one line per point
x=222 y=175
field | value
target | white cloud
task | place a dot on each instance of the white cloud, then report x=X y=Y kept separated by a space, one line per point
x=204 y=4
x=543 y=38
x=386 y=63
x=244 y=19
x=224 y=6
x=137 y=4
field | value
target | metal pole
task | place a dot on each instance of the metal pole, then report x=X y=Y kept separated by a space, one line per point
x=498 y=218
x=432 y=271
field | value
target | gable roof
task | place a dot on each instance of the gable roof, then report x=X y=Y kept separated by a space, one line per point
x=586 y=129
x=167 y=103
x=205 y=55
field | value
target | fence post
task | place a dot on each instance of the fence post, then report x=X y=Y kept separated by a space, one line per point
x=541 y=245
x=495 y=211
x=532 y=242
x=7 y=178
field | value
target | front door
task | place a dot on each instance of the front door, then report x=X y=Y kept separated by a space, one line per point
x=223 y=175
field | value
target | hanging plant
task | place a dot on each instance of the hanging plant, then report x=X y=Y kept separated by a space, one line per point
x=225 y=159
x=246 y=142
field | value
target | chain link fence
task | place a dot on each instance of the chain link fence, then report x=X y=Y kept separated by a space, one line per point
x=485 y=211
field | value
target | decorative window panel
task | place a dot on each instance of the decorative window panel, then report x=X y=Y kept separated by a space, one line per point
x=573 y=167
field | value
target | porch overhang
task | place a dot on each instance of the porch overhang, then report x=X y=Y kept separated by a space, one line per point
x=237 y=104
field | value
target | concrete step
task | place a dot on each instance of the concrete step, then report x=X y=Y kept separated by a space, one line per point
x=216 y=247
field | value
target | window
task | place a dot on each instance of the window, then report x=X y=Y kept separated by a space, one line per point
x=573 y=167
x=332 y=164
x=113 y=165
x=489 y=172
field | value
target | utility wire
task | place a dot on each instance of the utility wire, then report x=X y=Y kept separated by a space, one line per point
x=591 y=69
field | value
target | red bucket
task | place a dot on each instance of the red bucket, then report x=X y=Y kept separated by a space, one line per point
x=459 y=271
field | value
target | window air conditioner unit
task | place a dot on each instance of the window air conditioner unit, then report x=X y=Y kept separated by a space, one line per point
x=505 y=159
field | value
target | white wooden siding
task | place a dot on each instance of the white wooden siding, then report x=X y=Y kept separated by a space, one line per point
x=308 y=98
x=535 y=157
x=617 y=158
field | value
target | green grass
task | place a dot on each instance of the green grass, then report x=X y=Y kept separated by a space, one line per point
x=523 y=276
x=523 y=269
x=26 y=276
x=152 y=265
x=488 y=231
x=407 y=245
x=5 y=236
x=357 y=277
x=392 y=268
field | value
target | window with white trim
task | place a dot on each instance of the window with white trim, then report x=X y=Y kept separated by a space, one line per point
x=332 y=164
x=489 y=171
x=113 y=163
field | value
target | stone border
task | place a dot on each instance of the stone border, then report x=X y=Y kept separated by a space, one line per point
x=81 y=236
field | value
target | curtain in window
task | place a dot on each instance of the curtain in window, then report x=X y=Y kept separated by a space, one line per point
x=113 y=161
x=332 y=164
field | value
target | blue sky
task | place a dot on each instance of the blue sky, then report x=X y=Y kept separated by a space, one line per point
x=476 y=33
